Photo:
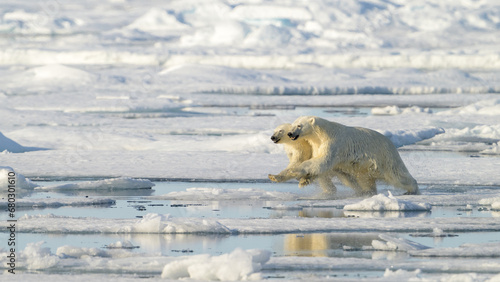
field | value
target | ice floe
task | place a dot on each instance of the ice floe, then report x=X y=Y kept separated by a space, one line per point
x=38 y=257
x=466 y=250
x=408 y=136
x=390 y=243
x=166 y=224
x=395 y=110
x=21 y=182
x=237 y=265
x=121 y=183
x=493 y=202
x=121 y=245
x=333 y=263
x=382 y=202
x=61 y=202
x=220 y=194
x=485 y=107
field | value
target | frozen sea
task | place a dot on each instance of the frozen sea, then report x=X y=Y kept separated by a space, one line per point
x=139 y=137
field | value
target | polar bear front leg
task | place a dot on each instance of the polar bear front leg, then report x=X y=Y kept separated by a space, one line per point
x=283 y=176
x=304 y=181
x=311 y=169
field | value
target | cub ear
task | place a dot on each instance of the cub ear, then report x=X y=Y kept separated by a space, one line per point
x=312 y=120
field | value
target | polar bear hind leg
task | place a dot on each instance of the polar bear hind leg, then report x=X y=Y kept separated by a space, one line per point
x=408 y=183
x=349 y=181
x=326 y=184
x=368 y=185
x=402 y=180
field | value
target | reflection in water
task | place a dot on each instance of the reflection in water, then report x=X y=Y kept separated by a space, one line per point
x=176 y=244
x=164 y=244
x=321 y=212
x=336 y=213
x=105 y=192
x=325 y=244
x=387 y=214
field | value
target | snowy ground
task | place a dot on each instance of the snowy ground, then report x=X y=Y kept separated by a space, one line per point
x=139 y=134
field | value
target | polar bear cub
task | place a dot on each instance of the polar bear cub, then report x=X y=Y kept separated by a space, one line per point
x=297 y=151
x=362 y=156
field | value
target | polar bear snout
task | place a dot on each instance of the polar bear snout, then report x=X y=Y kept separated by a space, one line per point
x=275 y=139
x=293 y=136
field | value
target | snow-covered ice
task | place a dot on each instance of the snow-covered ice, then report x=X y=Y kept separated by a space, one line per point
x=101 y=99
x=237 y=265
x=217 y=194
x=382 y=202
x=121 y=183
x=21 y=182
x=55 y=203
x=465 y=250
x=166 y=224
x=390 y=243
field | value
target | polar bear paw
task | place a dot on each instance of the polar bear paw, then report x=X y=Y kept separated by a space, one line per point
x=303 y=182
x=275 y=178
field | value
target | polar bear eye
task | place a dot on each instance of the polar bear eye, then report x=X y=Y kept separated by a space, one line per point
x=281 y=131
x=299 y=126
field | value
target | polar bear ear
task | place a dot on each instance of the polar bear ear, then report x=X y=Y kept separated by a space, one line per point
x=312 y=120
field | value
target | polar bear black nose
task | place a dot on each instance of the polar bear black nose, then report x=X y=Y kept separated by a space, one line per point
x=290 y=134
x=273 y=138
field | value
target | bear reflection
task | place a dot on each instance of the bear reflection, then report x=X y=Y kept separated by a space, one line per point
x=322 y=244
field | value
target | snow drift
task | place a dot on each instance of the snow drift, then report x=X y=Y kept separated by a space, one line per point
x=10 y=146
x=382 y=202
x=237 y=265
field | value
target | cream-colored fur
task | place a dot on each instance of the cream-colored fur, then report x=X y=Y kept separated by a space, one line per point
x=298 y=152
x=358 y=156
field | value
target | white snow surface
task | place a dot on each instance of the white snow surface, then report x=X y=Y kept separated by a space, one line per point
x=191 y=90
x=237 y=265
x=55 y=203
x=121 y=183
x=21 y=182
x=390 y=243
x=382 y=202
x=121 y=245
x=9 y=146
x=166 y=224
x=465 y=250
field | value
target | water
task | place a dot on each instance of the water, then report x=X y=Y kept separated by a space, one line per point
x=136 y=204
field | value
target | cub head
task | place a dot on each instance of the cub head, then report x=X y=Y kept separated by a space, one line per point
x=302 y=127
x=280 y=133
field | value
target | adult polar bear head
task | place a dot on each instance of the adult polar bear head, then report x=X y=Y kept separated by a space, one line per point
x=302 y=127
x=280 y=134
x=297 y=151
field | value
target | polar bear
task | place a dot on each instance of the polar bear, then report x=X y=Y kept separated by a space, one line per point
x=298 y=151
x=360 y=156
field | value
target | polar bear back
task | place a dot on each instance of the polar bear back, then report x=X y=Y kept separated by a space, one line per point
x=361 y=149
